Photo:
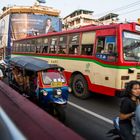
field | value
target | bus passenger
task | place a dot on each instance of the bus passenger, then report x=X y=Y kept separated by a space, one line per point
x=127 y=109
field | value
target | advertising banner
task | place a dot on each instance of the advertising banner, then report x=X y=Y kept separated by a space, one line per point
x=23 y=25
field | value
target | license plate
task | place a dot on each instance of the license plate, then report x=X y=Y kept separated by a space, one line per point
x=56 y=84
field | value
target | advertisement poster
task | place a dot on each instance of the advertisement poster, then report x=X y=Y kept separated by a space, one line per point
x=23 y=25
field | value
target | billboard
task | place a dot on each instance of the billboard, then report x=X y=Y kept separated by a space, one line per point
x=23 y=25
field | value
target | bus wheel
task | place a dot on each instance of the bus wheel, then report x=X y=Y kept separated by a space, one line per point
x=80 y=87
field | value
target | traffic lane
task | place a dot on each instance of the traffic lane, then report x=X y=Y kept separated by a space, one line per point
x=101 y=104
x=88 y=126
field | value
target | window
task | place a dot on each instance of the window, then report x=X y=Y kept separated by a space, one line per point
x=87 y=49
x=62 y=45
x=131 y=46
x=39 y=45
x=88 y=39
x=33 y=45
x=74 y=44
x=106 y=48
x=45 y=45
x=53 y=45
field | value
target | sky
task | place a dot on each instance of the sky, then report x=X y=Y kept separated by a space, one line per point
x=127 y=9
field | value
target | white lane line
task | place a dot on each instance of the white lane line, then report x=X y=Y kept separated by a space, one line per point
x=91 y=113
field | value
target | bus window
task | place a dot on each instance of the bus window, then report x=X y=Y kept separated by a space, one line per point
x=53 y=45
x=73 y=49
x=88 y=39
x=39 y=45
x=33 y=45
x=131 y=46
x=106 y=48
x=45 y=45
x=74 y=44
x=100 y=45
x=62 y=49
x=62 y=45
x=45 y=49
x=87 y=49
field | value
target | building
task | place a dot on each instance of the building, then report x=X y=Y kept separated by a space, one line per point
x=108 y=19
x=20 y=21
x=78 y=18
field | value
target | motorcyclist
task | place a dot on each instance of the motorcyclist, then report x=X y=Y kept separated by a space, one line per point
x=127 y=109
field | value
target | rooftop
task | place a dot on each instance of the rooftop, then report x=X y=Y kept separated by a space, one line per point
x=36 y=9
x=79 y=10
x=108 y=16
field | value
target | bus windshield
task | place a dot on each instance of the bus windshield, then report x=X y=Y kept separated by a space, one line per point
x=131 y=46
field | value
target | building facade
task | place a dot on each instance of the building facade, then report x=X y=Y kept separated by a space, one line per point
x=78 y=18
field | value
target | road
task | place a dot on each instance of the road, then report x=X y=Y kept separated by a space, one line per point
x=92 y=118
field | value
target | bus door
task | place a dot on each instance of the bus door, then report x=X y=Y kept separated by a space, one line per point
x=104 y=73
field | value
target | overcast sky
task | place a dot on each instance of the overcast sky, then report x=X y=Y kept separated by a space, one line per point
x=127 y=9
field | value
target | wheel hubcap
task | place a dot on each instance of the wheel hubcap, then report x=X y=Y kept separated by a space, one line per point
x=79 y=87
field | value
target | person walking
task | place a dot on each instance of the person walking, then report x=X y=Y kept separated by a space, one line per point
x=127 y=109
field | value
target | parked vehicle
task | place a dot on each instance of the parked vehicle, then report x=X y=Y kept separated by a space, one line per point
x=42 y=81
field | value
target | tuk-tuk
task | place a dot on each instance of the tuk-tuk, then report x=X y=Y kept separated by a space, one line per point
x=42 y=81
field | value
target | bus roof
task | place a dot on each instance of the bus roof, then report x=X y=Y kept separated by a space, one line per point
x=36 y=9
x=78 y=30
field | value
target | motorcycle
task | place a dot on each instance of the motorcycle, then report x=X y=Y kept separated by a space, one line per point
x=40 y=81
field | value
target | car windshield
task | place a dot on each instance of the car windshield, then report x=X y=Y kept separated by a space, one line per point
x=131 y=46
x=52 y=76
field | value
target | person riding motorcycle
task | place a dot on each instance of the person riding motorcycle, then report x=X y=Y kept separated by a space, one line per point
x=127 y=109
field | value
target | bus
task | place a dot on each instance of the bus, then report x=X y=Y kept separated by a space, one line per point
x=101 y=59
x=21 y=21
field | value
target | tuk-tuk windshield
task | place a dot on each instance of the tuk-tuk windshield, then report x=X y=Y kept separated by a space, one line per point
x=52 y=76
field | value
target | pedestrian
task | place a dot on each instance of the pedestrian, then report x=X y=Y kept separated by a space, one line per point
x=127 y=109
x=1 y=74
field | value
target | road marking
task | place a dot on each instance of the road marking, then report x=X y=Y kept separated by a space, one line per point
x=91 y=113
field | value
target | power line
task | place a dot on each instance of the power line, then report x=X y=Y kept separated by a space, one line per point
x=130 y=11
x=121 y=8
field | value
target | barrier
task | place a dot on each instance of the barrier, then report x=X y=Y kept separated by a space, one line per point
x=31 y=120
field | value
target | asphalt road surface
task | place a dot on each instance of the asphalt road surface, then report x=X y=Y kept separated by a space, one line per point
x=92 y=118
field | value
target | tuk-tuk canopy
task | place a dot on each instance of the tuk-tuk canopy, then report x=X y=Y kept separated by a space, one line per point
x=33 y=64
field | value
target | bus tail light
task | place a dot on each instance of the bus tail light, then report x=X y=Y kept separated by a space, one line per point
x=124 y=77
x=138 y=75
